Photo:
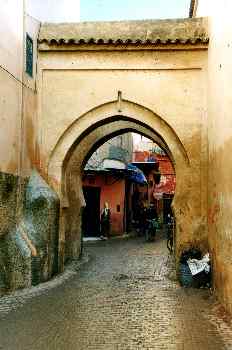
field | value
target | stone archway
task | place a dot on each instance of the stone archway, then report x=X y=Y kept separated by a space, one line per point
x=91 y=130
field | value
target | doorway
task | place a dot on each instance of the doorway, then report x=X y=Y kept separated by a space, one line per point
x=91 y=213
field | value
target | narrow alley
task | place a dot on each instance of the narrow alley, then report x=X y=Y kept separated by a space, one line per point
x=125 y=297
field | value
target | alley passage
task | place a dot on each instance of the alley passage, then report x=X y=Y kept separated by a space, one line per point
x=124 y=298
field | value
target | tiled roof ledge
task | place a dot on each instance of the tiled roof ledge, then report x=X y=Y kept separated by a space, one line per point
x=189 y=31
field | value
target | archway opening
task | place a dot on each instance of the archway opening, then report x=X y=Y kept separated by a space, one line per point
x=136 y=179
x=84 y=136
x=74 y=217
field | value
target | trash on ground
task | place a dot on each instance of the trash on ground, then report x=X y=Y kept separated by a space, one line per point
x=197 y=266
x=195 y=269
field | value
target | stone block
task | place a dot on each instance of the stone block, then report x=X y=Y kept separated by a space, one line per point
x=29 y=210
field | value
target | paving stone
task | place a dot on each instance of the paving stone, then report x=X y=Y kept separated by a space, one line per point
x=122 y=300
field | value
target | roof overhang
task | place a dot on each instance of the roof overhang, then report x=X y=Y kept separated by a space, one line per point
x=146 y=166
x=113 y=164
x=147 y=34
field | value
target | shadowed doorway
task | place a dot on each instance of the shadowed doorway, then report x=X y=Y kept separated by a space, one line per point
x=91 y=213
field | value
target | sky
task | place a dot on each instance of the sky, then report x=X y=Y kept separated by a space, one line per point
x=53 y=10
x=110 y=10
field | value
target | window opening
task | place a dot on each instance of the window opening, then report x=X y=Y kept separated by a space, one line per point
x=29 y=55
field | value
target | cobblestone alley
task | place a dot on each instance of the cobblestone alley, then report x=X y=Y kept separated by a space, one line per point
x=125 y=297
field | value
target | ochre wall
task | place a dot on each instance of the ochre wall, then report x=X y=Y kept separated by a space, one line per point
x=11 y=65
x=11 y=37
x=112 y=192
x=172 y=85
x=220 y=145
x=30 y=138
x=17 y=91
x=10 y=116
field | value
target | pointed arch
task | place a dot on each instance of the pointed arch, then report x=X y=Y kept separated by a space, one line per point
x=87 y=133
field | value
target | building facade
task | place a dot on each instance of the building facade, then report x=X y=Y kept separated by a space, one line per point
x=161 y=192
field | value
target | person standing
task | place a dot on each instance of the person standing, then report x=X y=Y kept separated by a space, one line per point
x=105 y=222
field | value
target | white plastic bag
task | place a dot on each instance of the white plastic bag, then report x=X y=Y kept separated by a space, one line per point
x=196 y=266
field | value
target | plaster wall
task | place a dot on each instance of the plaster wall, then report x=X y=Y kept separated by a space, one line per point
x=17 y=90
x=11 y=63
x=10 y=119
x=204 y=8
x=30 y=122
x=73 y=83
x=220 y=145
x=11 y=37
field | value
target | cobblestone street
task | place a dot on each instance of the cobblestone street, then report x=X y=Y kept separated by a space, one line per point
x=124 y=298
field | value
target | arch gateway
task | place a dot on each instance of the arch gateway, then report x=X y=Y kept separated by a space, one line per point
x=98 y=79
